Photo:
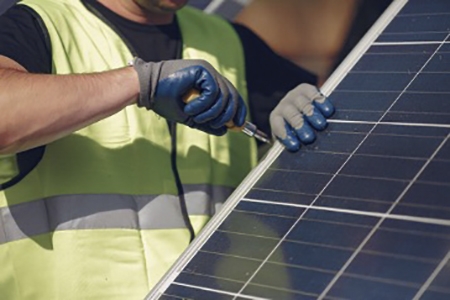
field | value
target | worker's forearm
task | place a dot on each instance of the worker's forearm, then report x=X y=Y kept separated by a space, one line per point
x=38 y=109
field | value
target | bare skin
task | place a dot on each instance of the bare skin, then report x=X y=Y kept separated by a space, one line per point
x=36 y=109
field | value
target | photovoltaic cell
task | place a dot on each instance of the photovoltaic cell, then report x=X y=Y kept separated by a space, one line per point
x=363 y=212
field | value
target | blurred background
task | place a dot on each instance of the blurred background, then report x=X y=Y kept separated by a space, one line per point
x=4 y=4
x=315 y=34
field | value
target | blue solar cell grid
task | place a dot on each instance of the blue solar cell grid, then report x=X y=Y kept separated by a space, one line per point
x=364 y=212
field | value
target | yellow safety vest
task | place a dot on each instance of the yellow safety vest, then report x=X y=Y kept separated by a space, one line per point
x=99 y=217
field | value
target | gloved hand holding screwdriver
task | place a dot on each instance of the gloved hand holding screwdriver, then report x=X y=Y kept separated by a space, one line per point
x=164 y=84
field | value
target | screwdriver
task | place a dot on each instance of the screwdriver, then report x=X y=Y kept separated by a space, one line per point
x=248 y=128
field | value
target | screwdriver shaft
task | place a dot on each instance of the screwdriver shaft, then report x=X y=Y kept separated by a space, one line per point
x=251 y=130
x=248 y=128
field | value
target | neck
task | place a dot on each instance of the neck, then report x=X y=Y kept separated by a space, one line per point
x=132 y=11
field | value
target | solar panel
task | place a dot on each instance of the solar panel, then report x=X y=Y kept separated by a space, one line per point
x=364 y=212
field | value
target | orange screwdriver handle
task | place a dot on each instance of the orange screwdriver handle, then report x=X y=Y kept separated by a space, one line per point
x=192 y=94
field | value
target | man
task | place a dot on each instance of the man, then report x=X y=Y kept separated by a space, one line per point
x=100 y=195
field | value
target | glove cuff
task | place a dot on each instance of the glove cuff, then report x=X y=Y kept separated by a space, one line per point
x=148 y=74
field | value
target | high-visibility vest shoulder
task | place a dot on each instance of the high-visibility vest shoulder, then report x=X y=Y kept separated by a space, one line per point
x=99 y=217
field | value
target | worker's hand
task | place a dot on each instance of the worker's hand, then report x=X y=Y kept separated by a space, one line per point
x=163 y=85
x=302 y=109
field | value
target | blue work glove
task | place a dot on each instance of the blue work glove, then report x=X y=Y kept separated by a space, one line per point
x=164 y=84
x=302 y=109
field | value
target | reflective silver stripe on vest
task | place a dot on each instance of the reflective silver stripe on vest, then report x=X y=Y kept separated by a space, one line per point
x=71 y=212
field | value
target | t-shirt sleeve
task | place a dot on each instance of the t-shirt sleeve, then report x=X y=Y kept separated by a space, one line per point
x=23 y=39
x=269 y=76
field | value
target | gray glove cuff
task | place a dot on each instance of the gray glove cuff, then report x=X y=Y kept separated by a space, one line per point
x=148 y=74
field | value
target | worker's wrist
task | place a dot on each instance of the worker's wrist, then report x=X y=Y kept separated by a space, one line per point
x=133 y=84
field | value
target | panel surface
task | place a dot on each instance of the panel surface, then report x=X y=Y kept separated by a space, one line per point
x=364 y=212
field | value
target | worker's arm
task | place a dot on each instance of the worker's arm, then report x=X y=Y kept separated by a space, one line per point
x=301 y=111
x=37 y=109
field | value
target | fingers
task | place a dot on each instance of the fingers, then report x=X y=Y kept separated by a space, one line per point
x=316 y=119
x=311 y=92
x=208 y=87
x=284 y=133
x=325 y=107
x=226 y=115
x=217 y=104
x=222 y=109
x=230 y=112
x=214 y=111
x=228 y=107
x=297 y=115
x=310 y=102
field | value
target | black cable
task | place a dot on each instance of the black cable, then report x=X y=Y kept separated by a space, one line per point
x=181 y=197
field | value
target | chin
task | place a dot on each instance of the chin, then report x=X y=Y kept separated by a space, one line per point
x=172 y=5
